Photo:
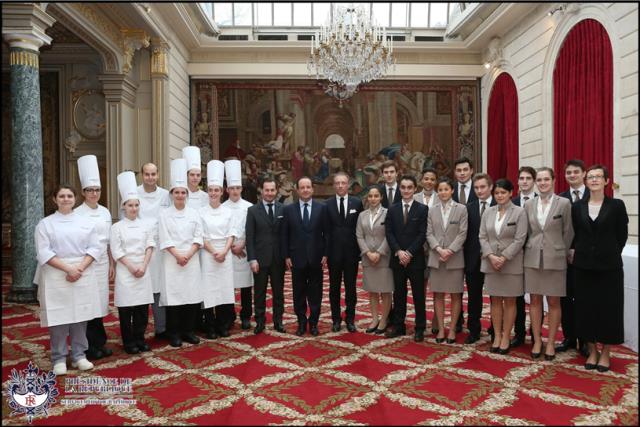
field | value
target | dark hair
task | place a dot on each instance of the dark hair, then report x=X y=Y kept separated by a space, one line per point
x=409 y=178
x=64 y=187
x=528 y=169
x=461 y=160
x=430 y=169
x=269 y=179
x=446 y=180
x=546 y=169
x=301 y=178
x=503 y=183
x=605 y=170
x=482 y=175
x=575 y=162
x=374 y=187
x=388 y=164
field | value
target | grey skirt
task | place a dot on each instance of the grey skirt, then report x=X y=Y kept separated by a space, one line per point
x=504 y=285
x=552 y=283
x=377 y=279
x=449 y=281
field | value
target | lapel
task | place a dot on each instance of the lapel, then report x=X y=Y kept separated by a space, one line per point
x=507 y=217
x=315 y=207
x=412 y=210
x=263 y=212
x=452 y=216
x=552 y=210
x=298 y=212
x=533 y=213
x=584 y=213
x=604 y=210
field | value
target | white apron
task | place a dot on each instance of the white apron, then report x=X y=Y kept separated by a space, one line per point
x=180 y=284
x=130 y=290
x=242 y=275
x=101 y=271
x=217 y=277
x=155 y=270
x=63 y=302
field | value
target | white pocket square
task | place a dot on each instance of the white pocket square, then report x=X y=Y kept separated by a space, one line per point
x=352 y=211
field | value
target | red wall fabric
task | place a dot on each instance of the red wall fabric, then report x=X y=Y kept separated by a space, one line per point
x=583 y=100
x=502 y=130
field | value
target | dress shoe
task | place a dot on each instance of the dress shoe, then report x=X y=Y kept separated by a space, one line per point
x=335 y=327
x=517 y=341
x=549 y=357
x=301 y=329
x=191 y=338
x=565 y=345
x=440 y=340
x=143 y=346
x=380 y=331
x=419 y=335
x=211 y=335
x=351 y=327
x=106 y=352
x=493 y=349
x=175 y=342
x=259 y=328
x=373 y=329
x=94 y=353
x=161 y=335
x=471 y=338
x=451 y=340
x=131 y=349
x=503 y=350
x=393 y=333
x=279 y=328
x=536 y=355
x=224 y=333
x=246 y=324
x=601 y=368
x=82 y=364
x=590 y=366
x=313 y=330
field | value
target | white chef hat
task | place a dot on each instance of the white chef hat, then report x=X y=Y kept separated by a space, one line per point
x=233 y=171
x=192 y=155
x=178 y=173
x=88 y=171
x=215 y=173
x=127 y=186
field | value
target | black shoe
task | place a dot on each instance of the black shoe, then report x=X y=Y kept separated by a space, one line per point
x=351 y=327
x=419 y=335
x=106 y=352
x=224 y=333
x=335 y=327
x=536 y=355
x=175 y=342
x=259 y=328
x=380 y=331
x=439 y=340
x=549 y=357
x=143 y=346
x=161 y=335
x=211 y=335
x=371 y=330
x=279 y=328
x=94 y=353
x=565 y=345
x=590 y=366
x=314 y=330
x=601 y=368
x=503 y=350
x=131 y=349
x=451 y=340
x=301 y=329
x=246 y=324
x=471 y=338
x=493 y=349
x=393 y=333
x=517 y=341
x=191 y=339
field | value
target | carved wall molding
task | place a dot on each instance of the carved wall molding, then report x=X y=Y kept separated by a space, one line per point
x=159 y=57
x=132 y=40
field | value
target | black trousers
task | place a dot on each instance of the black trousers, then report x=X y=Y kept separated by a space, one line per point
x=96 y=334
x=181 y=319
x=567 y=306
x=307 y=291
x=475 y=283
x=225 y=315
x=416 y=278
x=216 y=318
x=246 y=304
x=275 y=274
x=133 y=323
x=338 y=269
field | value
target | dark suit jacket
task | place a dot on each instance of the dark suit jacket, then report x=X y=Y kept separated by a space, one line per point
x=385 y=200
x=472 y=243
x=343 y=244
x=304 y=245
x=569 y=195
x=472 y=193
x=518 y=200
x=263 y=235
x=408 y=237
x=599 y=243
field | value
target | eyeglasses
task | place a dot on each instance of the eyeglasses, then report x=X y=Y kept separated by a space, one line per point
x=592 y=177
x=92 y=190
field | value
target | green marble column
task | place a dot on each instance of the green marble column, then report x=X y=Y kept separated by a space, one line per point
x=26 y=157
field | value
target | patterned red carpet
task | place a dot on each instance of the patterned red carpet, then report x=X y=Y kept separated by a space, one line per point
x=335 y=379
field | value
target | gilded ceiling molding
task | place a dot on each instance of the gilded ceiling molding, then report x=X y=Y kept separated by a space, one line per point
x=159 y=57
x=102 y=23
x=132 y=40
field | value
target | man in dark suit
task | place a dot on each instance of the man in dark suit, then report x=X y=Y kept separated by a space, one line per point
x=482 y=185
x=304 y=245
x=344 y=253
x=406 y=227
x=574 y=173
x=265 y=258
x=526 y=181
x=390 y=185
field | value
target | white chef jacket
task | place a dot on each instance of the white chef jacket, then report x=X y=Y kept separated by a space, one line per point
x=242 y=275
x=102 y=218
x=197 y=199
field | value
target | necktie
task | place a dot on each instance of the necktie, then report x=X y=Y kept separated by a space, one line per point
x=484 y=206
x=390 y=196
x=305 y=215
x=270 y=205
x=577 y=194
x=342 y=207
x=406 y=213
x=463 y=194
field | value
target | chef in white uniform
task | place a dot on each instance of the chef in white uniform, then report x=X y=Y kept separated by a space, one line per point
x=67 y=246
x=197 y=197
x=132 y=244
x=215 y=256
x=154 y=199
x=104 y=265
x=242 y=275
x=180 y=239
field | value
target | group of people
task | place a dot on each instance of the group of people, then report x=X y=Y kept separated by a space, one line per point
x=184 y=252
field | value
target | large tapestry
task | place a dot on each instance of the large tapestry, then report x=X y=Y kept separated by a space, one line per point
x=287 y=129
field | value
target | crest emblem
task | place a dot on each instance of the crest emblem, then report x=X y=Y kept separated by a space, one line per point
x=31 y=392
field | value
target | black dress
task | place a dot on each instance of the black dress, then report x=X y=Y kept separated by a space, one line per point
x=599 y=279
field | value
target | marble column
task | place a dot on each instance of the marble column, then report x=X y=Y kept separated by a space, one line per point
x=28 y=22
x=160 y=108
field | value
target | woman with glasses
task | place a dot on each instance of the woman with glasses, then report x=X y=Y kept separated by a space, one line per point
x=600 y=225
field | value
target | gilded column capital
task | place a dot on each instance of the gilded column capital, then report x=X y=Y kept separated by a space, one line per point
x=159 y=58
x=132 y=40
x=24 y=25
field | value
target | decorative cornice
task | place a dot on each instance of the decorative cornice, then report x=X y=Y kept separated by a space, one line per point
x=118 y=88
x=102 y=23
x=132 y=40
x=24 y=25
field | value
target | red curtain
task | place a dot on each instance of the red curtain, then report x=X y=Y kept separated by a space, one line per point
x=583 y=100
x=502 y=130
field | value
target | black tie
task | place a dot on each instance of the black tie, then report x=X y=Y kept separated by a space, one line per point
x=342 y=207
x=577 y=193
x=390 y=196
x=270 y=205
x=406 y=212
x=484 y=206
x=305 y=215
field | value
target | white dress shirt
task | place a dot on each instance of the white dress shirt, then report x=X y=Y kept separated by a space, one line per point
x=499 y=221
x=467 y=189
x=543 y=210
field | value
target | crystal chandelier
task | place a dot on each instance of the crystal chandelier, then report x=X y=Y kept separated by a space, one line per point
x=349 y=51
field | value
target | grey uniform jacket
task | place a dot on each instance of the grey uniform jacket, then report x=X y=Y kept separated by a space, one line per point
x=375 y=239
x=452 y=238
x=508 y=243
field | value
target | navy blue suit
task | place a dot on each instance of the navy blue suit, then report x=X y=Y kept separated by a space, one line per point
x=385 y=199
x=408 y=237
x=344 y=255
x=472 y=194
x=305 y=245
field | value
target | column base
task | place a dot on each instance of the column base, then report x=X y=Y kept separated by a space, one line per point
x=22 y=296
